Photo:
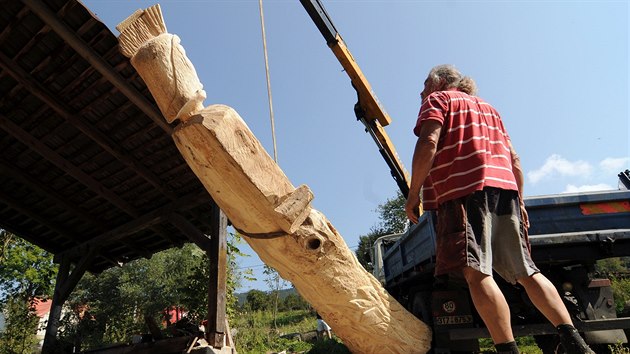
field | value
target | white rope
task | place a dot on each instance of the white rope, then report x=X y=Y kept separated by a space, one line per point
x=264 y=39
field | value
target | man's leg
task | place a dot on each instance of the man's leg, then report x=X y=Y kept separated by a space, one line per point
x=490 y=304
x=547 y=300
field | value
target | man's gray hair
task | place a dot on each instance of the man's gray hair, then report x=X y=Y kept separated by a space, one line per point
x=446 y=76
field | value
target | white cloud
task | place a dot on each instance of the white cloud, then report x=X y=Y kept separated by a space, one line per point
x=614 y=164
x=588 y=188
x=557 y=165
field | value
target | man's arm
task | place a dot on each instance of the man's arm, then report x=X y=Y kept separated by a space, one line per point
x=423 y=155
x=518 y=175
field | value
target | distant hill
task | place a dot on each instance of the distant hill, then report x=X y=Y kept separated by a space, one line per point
x=242 y=297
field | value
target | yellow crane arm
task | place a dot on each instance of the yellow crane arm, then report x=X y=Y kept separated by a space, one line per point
x=368 y=108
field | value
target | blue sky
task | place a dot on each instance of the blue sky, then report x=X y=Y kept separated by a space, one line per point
x=557 y=71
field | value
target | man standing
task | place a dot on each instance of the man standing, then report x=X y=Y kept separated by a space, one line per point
x=323 y=329
x=468 y=170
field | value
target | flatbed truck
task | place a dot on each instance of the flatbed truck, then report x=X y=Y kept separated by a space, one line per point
x=566 y=242
x=569 y=233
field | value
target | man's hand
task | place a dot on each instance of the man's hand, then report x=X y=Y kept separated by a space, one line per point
x=412 y=207
x=524 y=216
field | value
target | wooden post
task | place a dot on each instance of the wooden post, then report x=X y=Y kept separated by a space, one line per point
x=217 y=254
x=64 y=285
x=50 y=338
x=275 y=217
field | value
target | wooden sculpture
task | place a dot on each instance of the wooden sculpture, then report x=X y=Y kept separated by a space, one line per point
x=275 y=217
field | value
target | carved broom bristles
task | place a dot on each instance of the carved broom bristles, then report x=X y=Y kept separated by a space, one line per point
x=177 y=91
x=139 y=28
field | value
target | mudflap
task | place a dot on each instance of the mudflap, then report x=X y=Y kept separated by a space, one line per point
x=451 y=309
x=601 y=306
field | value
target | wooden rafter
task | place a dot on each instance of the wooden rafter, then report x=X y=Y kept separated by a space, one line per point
x=42 y=189
x=144 y=221
x=51 y=19
x=188 y=229
x=65 y=165
x=106 y=143
x=26 y=210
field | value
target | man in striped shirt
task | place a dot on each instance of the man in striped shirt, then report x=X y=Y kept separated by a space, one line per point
x=468 y=170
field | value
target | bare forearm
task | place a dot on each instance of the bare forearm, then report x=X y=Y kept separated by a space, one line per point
x=422 y=161
x=517 y=171
x=423 y=155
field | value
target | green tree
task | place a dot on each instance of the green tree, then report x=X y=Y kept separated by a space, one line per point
x=275 y=283
x=617 y=270
x=258 y=300
x=294 y=302
x=27 y=273
x=112 y=306
x=391 y=219
x=392 y=216
x=21 y=326
x=610 y=266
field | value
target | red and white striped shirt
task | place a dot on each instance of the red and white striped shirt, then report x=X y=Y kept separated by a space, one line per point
x=473 y=151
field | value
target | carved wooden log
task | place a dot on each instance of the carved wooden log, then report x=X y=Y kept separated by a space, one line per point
x=276 y=218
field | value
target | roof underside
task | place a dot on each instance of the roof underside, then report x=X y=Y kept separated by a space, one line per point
x=87 y=161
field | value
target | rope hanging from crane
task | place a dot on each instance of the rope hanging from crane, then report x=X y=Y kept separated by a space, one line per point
x=264 y=40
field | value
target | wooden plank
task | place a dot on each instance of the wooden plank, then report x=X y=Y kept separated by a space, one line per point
x=164 y=346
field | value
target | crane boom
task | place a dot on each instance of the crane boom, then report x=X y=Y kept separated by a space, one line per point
x=368 y=108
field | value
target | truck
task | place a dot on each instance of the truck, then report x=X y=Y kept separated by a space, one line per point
x=569 y=233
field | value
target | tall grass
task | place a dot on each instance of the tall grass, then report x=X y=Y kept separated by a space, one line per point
x=256 y=334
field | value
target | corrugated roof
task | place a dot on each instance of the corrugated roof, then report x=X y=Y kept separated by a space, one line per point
x=87 y=162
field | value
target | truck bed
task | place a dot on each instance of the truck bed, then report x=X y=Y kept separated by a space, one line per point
x=568 y=228
x=564 y=228
x=413 y=253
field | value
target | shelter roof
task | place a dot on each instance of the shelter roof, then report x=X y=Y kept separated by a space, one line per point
x=87 y=163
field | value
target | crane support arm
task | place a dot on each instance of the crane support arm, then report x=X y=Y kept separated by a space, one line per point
x=368 y=108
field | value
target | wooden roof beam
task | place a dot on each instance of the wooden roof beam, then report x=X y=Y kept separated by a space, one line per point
x=57 y=160
x=145 y=221
x=105 y=142
x=14 y=23
x=32 y=237
x=51 y=19
x=25 y=210
x=191 y=231
x=49 y=193
x=13 y=203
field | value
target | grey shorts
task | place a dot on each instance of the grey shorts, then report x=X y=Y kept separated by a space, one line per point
x=484 y=231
